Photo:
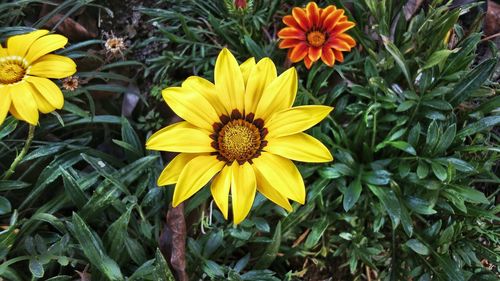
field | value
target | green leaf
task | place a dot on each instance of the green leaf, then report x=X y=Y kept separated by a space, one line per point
x=352 y=193
x=404 y=146
x=36 y=268
x=336 y=171
x=404 y=106
x=316 y=233
x=479 y=126
x=267 y=258
x=254 y=49
x=8 y=126
x=459 y=164
x=418 y=247
x=414 y=135
x=446 y=139
x=472 y=81
x=398 y=57
x=212 y=269
x=12 y=185
x=92 y=248
x=72 y=189
x=389 y=201
x=115 y=235
x=378 y=177
x=439 y=171
x=5 y=206
x=422 y=170
x=420 y=205
x=129 y=136
x=162 y=272
x=437 y=58
x=471 y=195
x=432 y=136
x=406 y=221
x=450 y=268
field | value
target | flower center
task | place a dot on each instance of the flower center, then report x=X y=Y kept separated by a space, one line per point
x=238 y=137
x=12 y=70
x=316 y=38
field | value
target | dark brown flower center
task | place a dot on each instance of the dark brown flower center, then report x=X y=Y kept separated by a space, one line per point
x=238 y=138
x=12 y=70
x=316 y=38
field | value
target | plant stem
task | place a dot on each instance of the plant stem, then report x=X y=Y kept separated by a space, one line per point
x=20 y=156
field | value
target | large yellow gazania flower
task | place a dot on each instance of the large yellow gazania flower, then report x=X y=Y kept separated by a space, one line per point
x=242 y=132
x=25 y=66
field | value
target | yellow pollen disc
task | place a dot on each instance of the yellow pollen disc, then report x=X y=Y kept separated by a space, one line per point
x=316 y=38
x=239 y=140
x=11 y=71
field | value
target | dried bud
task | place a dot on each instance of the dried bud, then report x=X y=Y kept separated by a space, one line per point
x=115 y=45
x=71 y=83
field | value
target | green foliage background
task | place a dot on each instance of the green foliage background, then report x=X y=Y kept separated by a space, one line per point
x=410 y=195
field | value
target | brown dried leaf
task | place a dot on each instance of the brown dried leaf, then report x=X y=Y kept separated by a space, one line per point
x=173 y=241
x=492 y=20
x=70 y=28
x=411 y=7
x=84 y=275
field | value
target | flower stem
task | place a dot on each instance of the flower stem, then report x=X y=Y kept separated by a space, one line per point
x=20 y=156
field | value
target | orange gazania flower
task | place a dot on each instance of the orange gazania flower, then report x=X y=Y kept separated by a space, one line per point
x=313 y=33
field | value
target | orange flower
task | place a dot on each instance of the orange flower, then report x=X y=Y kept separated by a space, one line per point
x=313 y=33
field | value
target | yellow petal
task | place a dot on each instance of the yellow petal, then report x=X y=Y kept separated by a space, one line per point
x=220 y=189
x=295 y=120
x=229 y=81
x=207 y=90
x=24 y=103
x=243 y=186
x=18 y=45
x=3 y=51
x=195 y=175
x=191 y=107
x=48 y=89
x=246 y=68
x=45 y=45
x=278 y=95
x=53 y=66
x=171 y=173
x=299 y=147
x=260 y=77
x=14 y=113
x=5 y=102
x=264 y=187
x=43 y=105
x=282 y=174
x=181 y=137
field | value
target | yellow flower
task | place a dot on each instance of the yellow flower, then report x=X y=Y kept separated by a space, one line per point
x=241 y=131
x=25 y=66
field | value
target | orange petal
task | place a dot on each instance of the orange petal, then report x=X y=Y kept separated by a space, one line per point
x=308 y=62
x=327 y=56
x=323 y=13
x=312 y=12
x=291 y=33
x=338 y=55
x=289 y=43
x=342 y=27
x=314 y=53
x=348 y=39
x=332 y=19
x=301 y=17
x=298 y=52
x=339 y=44
x=291 y=22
